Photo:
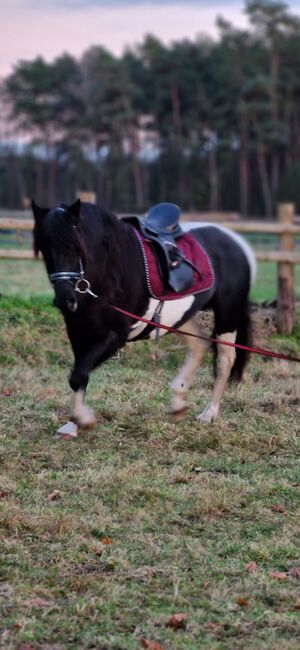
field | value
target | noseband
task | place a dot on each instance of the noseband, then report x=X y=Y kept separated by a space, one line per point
x=82 y=285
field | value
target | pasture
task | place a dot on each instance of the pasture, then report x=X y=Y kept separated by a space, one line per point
x=104 y=538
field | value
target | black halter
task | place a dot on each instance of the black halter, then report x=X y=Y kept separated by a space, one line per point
x=82 y=285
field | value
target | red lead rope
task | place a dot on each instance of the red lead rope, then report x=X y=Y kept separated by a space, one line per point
x=266 y=353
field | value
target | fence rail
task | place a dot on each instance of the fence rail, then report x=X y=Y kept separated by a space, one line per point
x=286 y=257
x=274 y=228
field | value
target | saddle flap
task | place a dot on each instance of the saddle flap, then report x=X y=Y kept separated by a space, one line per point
x=181 y=277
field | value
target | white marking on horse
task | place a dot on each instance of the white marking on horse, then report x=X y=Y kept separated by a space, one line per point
x=225 y=360
x=171 y=313
x=82 y=414
x=183 y=380
x=139 y=326
x=242 y=243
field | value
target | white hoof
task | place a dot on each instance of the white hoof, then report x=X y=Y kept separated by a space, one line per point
x=208 y=415
x=68 y=430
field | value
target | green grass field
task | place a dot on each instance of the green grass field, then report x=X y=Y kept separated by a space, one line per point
x=105 y=537
x=28 y=278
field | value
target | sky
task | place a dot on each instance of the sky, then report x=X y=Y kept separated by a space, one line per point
x=29 y=28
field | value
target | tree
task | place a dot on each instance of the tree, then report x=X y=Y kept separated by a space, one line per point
x=45 y=103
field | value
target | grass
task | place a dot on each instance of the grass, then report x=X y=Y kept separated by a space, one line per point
x=28 y=277
x=105 y=537
x=23 y=277
x=265 y=287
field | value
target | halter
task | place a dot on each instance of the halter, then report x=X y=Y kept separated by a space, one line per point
x=82 y=285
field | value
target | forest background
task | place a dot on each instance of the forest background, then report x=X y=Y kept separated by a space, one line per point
x=211 y=124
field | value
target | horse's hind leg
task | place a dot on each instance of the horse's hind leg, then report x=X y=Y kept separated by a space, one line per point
x=183 y=380
x=225 y=359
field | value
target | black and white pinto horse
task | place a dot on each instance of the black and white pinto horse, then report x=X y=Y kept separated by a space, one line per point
x=85 y=238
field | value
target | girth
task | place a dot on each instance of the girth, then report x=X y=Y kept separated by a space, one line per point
x=161 y=227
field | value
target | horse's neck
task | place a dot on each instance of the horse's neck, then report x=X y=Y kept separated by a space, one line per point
x=132 y=264
x=121 y=273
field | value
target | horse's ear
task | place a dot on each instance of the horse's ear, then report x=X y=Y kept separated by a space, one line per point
x=38 y=212
x=74 y=211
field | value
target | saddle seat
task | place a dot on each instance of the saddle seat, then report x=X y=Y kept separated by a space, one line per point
x=161 y=226
x=163 y=219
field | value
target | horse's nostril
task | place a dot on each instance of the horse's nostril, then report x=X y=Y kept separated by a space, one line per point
x=72 y=304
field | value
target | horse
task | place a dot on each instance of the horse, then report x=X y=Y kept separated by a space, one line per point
x=94 y=262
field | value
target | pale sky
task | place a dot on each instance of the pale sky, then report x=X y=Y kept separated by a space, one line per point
x=49 y=27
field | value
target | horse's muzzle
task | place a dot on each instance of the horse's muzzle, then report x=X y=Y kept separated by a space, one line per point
x=65 y=298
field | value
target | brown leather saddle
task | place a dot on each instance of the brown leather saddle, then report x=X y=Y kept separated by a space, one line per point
x=161 y=227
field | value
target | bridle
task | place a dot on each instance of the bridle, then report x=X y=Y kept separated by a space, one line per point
x=82 y=285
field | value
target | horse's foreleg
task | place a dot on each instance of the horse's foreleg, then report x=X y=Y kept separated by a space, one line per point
x=225 y=360
x=81 y=414
x=183 y=380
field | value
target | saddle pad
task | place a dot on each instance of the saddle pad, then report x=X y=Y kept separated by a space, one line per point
x=203 y=274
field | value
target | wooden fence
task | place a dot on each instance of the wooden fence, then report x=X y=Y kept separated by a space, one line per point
x=286 y=257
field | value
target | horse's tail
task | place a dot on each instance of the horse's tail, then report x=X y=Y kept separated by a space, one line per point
x=243 y=337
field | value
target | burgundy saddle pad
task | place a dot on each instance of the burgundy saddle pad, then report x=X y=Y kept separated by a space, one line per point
x=203 y=275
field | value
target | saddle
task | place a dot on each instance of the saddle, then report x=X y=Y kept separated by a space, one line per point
x=161 y=227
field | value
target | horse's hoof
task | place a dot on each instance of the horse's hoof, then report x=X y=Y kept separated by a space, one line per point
x=177 y=416
x=88 y=425
x=67 y=431
x=85 y=419
x=208 y=415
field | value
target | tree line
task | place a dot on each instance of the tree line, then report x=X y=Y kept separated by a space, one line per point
x=208 y=124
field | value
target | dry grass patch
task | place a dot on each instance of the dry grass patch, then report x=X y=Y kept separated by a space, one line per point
x=105 y=537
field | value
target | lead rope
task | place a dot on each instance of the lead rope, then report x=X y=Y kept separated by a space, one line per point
x=159 y=325
x=83 y=286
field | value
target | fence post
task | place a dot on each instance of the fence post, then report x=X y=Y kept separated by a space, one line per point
x=286 y=274
x=87 y=197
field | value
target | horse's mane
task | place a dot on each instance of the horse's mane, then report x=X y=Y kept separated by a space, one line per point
x=99 y=238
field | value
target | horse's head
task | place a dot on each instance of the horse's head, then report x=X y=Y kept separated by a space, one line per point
x=56 y=237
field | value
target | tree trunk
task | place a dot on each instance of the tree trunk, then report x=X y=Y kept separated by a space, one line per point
x=177 y=123
x=263 y=173
x=274 y=172
x=244 y=172
x=176 y=112
x=100 y=176
x=213 y=180
x=51 y=172
x=39 y=186
x=275 y=116
x=274 y=82
x=136 y=168
x=296 y=139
